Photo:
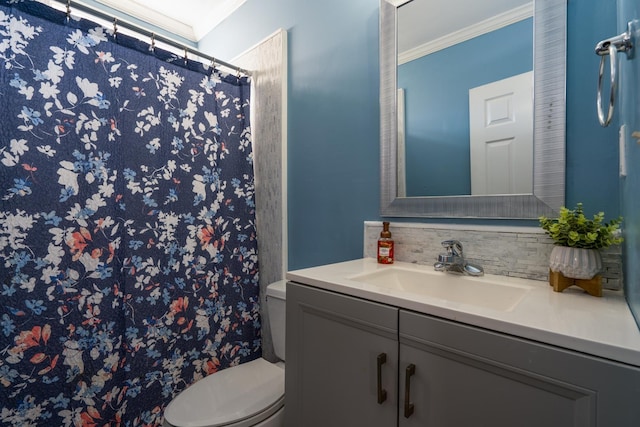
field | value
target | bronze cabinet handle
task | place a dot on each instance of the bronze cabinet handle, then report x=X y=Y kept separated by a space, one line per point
x=382 y=393
x=408 y=406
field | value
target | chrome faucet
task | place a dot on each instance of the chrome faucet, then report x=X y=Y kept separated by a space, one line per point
x=453 y=260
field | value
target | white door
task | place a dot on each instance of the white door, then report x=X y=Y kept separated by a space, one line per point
x=501 y=133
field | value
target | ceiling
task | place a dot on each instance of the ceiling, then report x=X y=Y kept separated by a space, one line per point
x=190 y=19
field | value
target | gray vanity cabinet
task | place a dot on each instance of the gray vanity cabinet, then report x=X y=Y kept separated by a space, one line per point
x=438 y=373
x=467 y=376
x=339 y=352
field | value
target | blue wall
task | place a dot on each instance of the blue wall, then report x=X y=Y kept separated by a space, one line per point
x=437 y=104
x=333 y=130
x=592 y=151
x=334 y=116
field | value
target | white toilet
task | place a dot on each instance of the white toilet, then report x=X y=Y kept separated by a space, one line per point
x=247 y=395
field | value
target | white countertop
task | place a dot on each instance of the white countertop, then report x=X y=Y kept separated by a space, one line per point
x=601 y=326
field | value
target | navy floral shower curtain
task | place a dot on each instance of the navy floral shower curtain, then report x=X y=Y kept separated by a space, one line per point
x=127 y=229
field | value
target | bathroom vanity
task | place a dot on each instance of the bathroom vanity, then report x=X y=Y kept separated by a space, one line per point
x=372 y=345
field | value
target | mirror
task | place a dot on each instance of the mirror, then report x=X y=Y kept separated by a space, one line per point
x=465 y=87
x=541 y=195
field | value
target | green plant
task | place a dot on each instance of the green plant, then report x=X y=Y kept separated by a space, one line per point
x=572 y=228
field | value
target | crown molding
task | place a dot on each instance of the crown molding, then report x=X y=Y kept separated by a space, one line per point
x=483 y=27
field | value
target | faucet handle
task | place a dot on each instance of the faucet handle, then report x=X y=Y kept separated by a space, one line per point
x=453 y=247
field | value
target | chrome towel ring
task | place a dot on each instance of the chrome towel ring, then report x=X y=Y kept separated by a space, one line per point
x=612 y=51
x=611 y=47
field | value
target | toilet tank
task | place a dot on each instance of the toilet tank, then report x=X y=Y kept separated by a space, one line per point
x=276 y=295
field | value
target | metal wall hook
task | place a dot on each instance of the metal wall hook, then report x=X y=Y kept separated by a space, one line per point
x=622 y=43
x=610 y=47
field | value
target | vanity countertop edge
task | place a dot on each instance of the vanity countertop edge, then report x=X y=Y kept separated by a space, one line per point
x=599 y=326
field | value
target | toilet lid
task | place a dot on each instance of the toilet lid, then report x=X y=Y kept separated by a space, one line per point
x=228 y=396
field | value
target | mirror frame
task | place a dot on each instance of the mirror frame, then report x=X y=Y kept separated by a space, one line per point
x=548 y=195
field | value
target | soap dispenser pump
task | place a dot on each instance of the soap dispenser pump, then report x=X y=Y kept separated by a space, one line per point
x=385 y=245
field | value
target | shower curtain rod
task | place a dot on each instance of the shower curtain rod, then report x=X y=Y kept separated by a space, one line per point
x=146 y=32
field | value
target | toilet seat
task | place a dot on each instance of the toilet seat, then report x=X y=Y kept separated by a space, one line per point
x=240 y=396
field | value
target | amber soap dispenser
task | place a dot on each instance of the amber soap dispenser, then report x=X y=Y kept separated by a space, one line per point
x=385 y=245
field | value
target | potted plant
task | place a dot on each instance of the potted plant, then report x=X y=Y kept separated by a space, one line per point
x=578 y=241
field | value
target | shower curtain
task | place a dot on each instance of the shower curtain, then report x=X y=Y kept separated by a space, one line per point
x=127 y=229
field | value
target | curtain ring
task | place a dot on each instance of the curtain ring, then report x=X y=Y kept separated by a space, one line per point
x=613 y=59
x=115 y=26
x=185 y=55
x=152 y=47
x=68 y=10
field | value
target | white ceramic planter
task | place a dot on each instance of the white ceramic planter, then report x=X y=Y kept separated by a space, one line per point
x=576 y=263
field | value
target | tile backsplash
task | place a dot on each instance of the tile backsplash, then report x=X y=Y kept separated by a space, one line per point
x=507 y=251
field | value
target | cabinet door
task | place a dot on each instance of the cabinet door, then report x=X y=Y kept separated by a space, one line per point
x=339 y=350
x=467 y=376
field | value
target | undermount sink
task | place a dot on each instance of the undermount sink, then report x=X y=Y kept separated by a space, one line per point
x=477 y=291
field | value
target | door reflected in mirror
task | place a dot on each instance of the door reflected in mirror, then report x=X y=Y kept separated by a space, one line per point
x=465 y=97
